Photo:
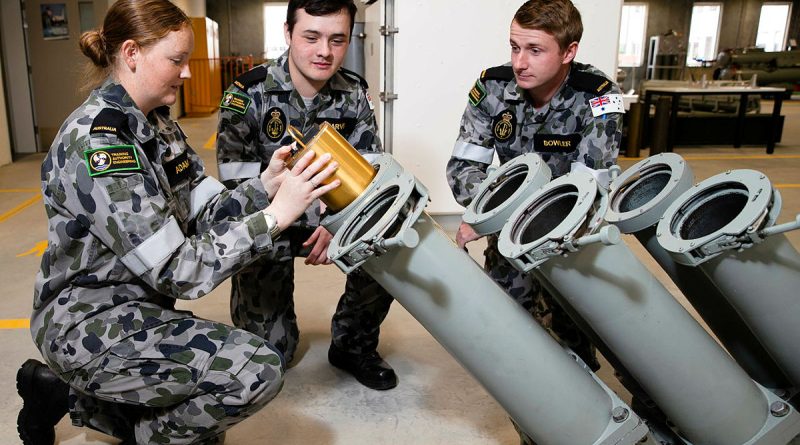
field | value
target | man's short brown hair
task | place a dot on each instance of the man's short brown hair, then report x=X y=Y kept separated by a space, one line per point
x=557 y=17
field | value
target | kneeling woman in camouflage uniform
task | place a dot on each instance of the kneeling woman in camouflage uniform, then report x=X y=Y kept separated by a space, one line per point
x=134 y=224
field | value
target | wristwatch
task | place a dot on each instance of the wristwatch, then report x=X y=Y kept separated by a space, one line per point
x=272 y=225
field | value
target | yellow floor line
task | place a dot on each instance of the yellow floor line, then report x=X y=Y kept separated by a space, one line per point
x=19 y=190
x=787 y=186
x=19 y=208
x=211 y=142
x=723 y=157
x=19 y=323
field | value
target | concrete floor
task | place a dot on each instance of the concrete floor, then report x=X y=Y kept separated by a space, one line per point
x=436 y=402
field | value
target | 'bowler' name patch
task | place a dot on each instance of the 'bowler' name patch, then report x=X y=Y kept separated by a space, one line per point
x=235 y=102
x=556 y=143
x=177 y=169
x=115 y=158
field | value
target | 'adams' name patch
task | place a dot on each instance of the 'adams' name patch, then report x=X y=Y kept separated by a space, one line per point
x=177 y=169
x=115 y=158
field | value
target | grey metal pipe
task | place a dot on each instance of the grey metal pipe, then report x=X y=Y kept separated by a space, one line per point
x=723 y=320
x=690 y=377
x=710 y=399
x=637 y=200
x=763 y=283
x=546 y=392
x=726 y=226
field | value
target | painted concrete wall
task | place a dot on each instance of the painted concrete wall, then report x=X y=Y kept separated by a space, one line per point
x=441 y=50
x=5 y=137
x=247 y=18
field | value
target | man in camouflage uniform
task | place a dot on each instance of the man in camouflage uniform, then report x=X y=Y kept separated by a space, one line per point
x=303 y=88
x=135 y=224
x=542 y=102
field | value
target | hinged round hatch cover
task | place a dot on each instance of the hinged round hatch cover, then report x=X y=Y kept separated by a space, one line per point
x=555 y=212
x=503 y=191
x=713 y=214
x=641 y=194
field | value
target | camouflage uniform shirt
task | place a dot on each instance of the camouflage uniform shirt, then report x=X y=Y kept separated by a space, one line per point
x=500 y=119
x=134 y=223
x=260 y=105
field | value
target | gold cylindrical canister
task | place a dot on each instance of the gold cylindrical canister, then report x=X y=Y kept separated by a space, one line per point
x=354 y=171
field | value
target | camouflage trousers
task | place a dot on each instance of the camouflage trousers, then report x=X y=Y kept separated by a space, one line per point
x=529 y=293
x=183 y=382
x=262 y=301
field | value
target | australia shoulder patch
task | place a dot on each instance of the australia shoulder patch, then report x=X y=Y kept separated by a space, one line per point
x=477 y=93
x=115 y=158
x=234 y=101
x=609 y=103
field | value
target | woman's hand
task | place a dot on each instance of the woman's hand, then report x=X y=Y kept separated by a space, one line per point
x=300 y=187
x=273 y=176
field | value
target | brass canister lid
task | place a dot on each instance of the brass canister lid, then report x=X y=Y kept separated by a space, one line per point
x=354 y=171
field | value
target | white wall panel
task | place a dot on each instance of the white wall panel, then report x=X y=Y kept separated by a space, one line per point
x=441 y=49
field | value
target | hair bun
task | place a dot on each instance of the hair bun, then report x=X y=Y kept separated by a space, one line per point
x=93 y=46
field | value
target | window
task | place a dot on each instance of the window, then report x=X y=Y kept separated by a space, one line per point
x=703 y=33
x=772 y=26
x=274 y=18
x=631 y=34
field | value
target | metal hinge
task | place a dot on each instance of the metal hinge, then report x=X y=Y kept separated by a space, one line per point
x=385 y=31
x=387 y=97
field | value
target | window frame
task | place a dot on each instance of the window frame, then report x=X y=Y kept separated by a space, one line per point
x=786 y=24
x=643 y=42
x=690 y=62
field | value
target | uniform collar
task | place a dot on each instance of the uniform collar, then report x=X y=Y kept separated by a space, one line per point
x=278 y=78
x=114 y=93
x=562 y=100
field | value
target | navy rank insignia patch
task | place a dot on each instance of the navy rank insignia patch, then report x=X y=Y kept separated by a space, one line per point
x=235 y=102
x=504 y=126
x=275 y=124
x=477 y=93
x=556 y=143
x=115 y=158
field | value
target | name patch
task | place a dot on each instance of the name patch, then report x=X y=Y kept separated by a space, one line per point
x=115 y=158
x=235 y=102
x=275 y=124
x=504 y=126
x=177 y=169
x=556 y=143
x=344 y=126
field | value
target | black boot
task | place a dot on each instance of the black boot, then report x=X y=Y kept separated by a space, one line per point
x=368 y=368
x=45 y=399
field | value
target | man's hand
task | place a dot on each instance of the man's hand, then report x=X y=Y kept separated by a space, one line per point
x=465 y=235
x=273 y=175
x=321 y=238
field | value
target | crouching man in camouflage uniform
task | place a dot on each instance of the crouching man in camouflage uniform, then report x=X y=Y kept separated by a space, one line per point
x=303 y=87
x=134 y=224
x=543 y=102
